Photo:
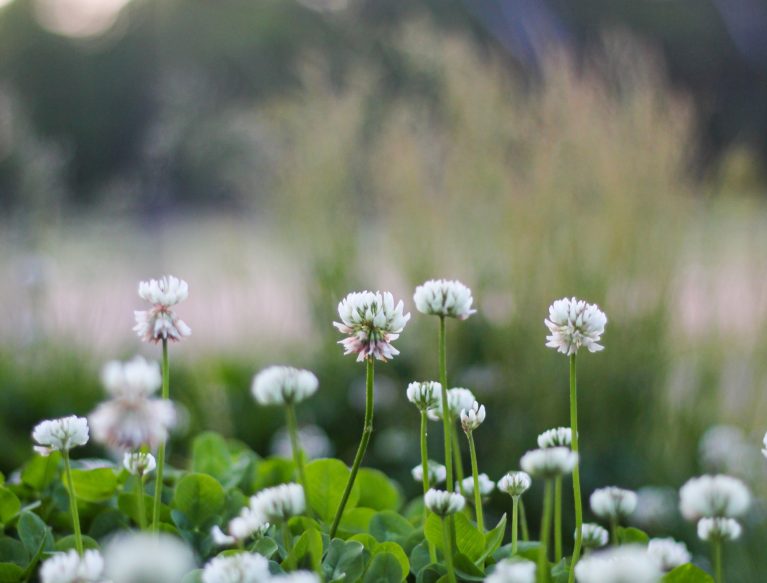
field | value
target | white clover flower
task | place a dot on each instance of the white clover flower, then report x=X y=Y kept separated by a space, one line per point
x=70 y=567
x=296 y=577
x=279 y=503
x=486 y=486
x=278 y=385
x=458 y=399
x=443 y=503
x=713 y=496
x=437 y=472
x=60 y=434
x=624 y=564
x=515 y=483
x=550 y=462
x=668 y=553
x=441 y=297
x=719 y=529
x=372 y=322
x=557 y=437
x=130 y=423
x=424 y=395
x=574 y=324
x=507 y=571
x=239 y=568
x=139 y=463
x=613 y=503
x=133 y=379
x=656 y=507
x=594 y=536
x=473 y=417
x=160 y=322
x=249 y=523
x=147 y=558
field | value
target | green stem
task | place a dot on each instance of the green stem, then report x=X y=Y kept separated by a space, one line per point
x=558 y=519
x=475 y=476
x=161 y=449
x=73 y=503
x=614 y=531
x=457 y=458
x=447 y=418
x=287 y=539
x=543 y=556
x=295 y=445
x=514 y=521
x=140 y=506
x=576 y=470
x=523 y=521
x=366 y=432
x=425 y=480
x=717 y=560
x=448 y=551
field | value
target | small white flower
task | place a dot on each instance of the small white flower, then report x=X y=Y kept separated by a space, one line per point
x=278 y=385
x=507 y=571
x=437 y=472
x=764 y=442
x=624 y=564
x=486 y=486
x=160 y=322
x=458 y=399
x=424 y=395
x=70 y=567
x=473 y=417
x=668 y=553
x=133 y=379
x=249 y=523
x=130 y=423
x=712 y=496
x=574 y=324
x=515 y=483
x=148 y=558
x=441 y=297
x=557 y=437
x=719 y=529
x=550 y=462
x=239 y=568
x=372 y=323
x=279 y=503
x=613 y=503
x=139 y=463
x=296 y=577
x=443 y=503
x=594 y=536
x=60 y=434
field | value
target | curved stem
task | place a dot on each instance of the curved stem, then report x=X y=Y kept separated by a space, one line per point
x=425 y=480
x=543 y=555
x=161 y=449
x=717 y=560
x=73 y=503
x=295 y=446
x=558 y=519
x=447 y=418
x=366 y=432
x=140 y=506
x=448 y=551
x=475 y=476
x=576 y=470
x=523 y=521
x=514 y=520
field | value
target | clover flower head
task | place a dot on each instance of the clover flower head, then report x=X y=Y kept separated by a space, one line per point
x=668 y=553
x=594 y=536
x=713 y=496
x=557 y=437
x=278 y=385
x=508 y=571
x=445 y=298
x=279 y=503
x=574 y=324
x=70 y=567
x=473 y=417
x=613 y=503
x=486 y=486
x=458 y=399
x=437 y=472
x=130 y=423
x=719 y=529
x=249 y=523
x=296 y=577
x=239 y=568
x=372 y=322
x=161 y=558
x=443 y=503
x=136 y=378
x=160 y=322
x=60 y=434
x=424 y=395
x=139 y=463
x=550 y=462
x=624 y=564
x=515 y=483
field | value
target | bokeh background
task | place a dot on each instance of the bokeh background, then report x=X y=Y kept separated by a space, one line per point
x=277 y=154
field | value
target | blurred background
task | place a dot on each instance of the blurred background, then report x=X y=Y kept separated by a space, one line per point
x=277 y=154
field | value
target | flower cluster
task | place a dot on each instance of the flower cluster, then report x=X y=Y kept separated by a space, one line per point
x=486 y=486
x=713 y=496
x=557 y=437
x=424 y=395
x=279 y=503
x=629 y=564
x=473 y=417
x=443 y=503
x=594 y=536
x=278 y=385
x=60 y=434
x=249 y=523
x=70 y=567
x=437 y=472
x=139 y=463
x=458 y=399
x=574 y=324
x=515 y=483
x=719 y=529
x=239 y=568
x=613 y=503
x=445 y=298
x=160 y=322
x=149 y=558
x=549 y=463
x=668 y=553
x=507 y=571
x=372 y=322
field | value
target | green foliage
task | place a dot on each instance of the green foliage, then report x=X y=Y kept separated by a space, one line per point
x=326 y=479
x=95 y=485
x=9 y=505
x=377 y=491
x=200 y=498
x=344 y=561
x=384 y=568
x=688 y=573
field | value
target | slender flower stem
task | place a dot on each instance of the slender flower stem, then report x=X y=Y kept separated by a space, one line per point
x=523 y=521
x=716 y=553
x=73 y=503
x=425 y=480
x=514 y=521
x=448 y=551
x=140 y=506
x=447 y=418
x=161 y=449
x=614 y=531
x=457 y=458
x=576 y=470
x=543 y=556
x=295 y=445
x=366 y=432
x=558 y=519
x=475 y=476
